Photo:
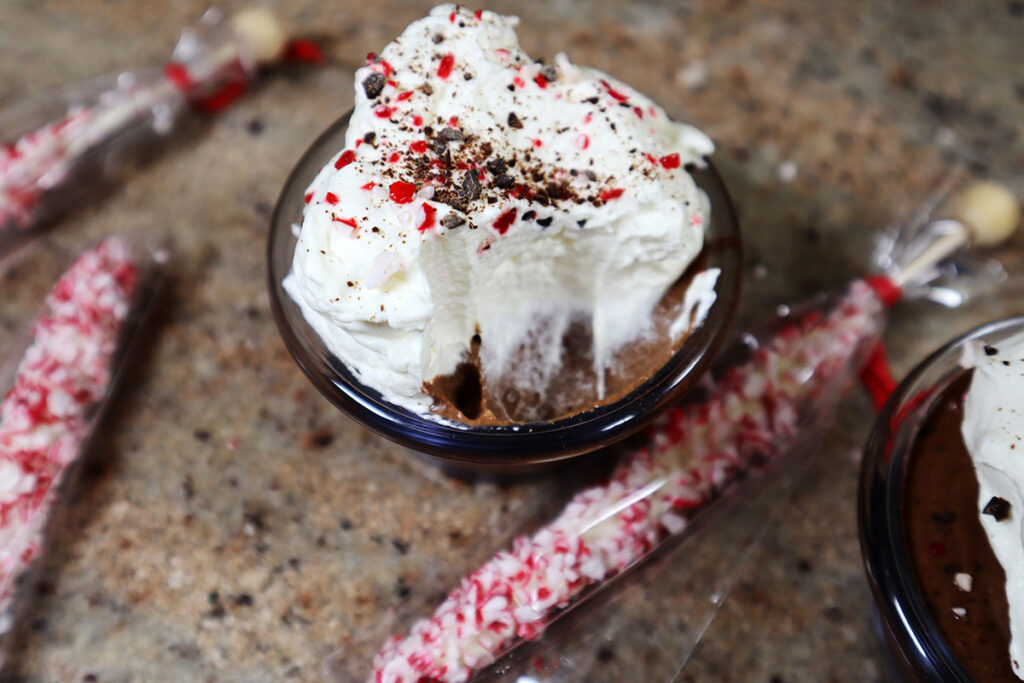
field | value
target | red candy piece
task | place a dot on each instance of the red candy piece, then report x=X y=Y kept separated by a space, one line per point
x=444 y=69
x=670 y=161
x=504 y=221
x=429 y=214
x=401 y=192
x=346 y=158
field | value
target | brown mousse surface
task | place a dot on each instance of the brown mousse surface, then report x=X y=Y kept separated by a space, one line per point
x=470 y=397
x=945 y=538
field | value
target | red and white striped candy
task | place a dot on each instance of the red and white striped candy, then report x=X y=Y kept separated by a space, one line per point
x=756 y=411
x=45 y=414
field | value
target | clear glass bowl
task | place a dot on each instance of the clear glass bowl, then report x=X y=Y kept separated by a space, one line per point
x=506 y=446
x=904 y=622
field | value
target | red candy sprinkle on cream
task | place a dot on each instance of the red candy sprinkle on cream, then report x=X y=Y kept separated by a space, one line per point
x=401 y=191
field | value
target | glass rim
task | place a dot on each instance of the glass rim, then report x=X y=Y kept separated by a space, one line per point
x=512 y=444
x=887 y=562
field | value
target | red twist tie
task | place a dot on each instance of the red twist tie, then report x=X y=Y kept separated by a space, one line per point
x=877 y=377
x=887 y=291
x=304 y=51
x=179 y=76
x=215 y=101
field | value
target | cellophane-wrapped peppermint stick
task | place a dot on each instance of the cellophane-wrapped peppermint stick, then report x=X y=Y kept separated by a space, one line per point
x=751 y=416
x=59 y=383
x=57 y=148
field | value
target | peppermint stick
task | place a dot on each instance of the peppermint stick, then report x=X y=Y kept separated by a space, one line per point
x=45 y=415
x=35 y=162
x=754 y=412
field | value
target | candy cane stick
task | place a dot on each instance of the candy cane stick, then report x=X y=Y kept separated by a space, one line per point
x=45 y=415
x=755 y=412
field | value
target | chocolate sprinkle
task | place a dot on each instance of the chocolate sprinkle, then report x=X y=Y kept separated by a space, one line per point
x=497 y=166
x=990 y=350
x=450 y=134
x=513 y=120
x=545 y=222
x=374 y=85
x=369 y=137
x=451 y=221
x=998 y=507
x=470 y=189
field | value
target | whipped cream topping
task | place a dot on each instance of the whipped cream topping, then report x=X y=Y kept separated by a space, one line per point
x=993 y=431
x=482 y=194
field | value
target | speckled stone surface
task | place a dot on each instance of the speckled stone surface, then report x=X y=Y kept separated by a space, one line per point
x=230 y=525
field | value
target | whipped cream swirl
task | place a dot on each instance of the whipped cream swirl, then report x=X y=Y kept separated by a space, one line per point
x=484 y=196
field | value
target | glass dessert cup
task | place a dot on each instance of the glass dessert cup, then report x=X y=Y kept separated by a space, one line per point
x=904 y=621
x=499 y=447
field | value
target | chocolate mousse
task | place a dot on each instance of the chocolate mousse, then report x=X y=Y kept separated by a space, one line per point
x=959 y=576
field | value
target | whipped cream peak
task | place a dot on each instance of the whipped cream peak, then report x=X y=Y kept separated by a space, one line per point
x=993 y=431
x=484 y=203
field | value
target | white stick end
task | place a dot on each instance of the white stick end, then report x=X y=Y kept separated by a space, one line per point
x=988 y=209
x=261 y=32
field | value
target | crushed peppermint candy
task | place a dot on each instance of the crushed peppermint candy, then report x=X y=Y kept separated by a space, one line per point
x=46 y=413
x=36 y=162
x=752 y=415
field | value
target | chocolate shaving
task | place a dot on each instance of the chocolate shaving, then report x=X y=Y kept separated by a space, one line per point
x=450 y=134
x=426 y=89
x=513 y=120
x=369 y=137
x=438 y=38
x=451 y=221
x=550 y=72
x=998 y=507
x=504 y=180
x=374 y=84
x=545 y=222
x=529 y=215
x=439 y=146
x=497 y=166
x=990 y=350
x=470 y=189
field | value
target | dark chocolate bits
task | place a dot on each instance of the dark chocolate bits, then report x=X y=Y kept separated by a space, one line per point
x=450 y=134
x=470 y=188
x=990 y=350
x=998 y=507
x=504 y=181
x=513 y=120
x=452 y=221
x=374 y=84
x=497 y=166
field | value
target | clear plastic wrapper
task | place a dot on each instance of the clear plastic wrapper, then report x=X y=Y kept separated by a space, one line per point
x=57 y=384
x=696 y=464
x=717 y=465
x=60 y=148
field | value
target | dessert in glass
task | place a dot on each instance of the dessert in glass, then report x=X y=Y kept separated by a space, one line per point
x=497 y=261
x=940 y=507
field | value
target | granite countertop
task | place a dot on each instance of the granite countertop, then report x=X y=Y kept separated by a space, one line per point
x=230 y=525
